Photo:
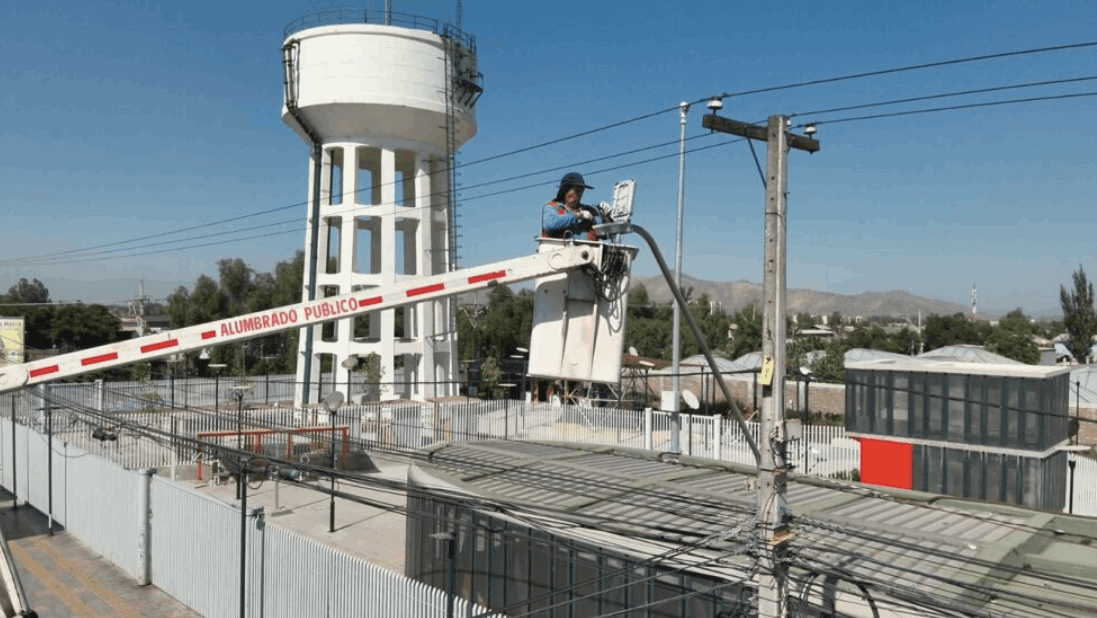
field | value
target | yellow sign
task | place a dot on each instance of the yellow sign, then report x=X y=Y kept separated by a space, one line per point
x=766 y=378
x=11 y=341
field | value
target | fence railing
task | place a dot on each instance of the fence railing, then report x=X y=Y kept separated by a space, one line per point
x=403 y=426
x=188 y=544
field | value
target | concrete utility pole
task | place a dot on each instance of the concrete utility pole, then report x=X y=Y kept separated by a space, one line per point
x=774 y=518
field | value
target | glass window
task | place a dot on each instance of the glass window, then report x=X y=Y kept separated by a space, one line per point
x=881 y=411
x=935 y=466
x=954 y=476
x=935 y=426
x=900 y=402
x=918 y=405
x=974 y=475
x=993 y=470
x=1012 y=409
x=974 y=410
x=994 y=412
x=956 y=408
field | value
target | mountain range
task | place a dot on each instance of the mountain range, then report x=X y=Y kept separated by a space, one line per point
x=733 y=295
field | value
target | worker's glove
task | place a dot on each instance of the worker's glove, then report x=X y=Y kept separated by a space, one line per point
x=585 y=214
x=607 y=210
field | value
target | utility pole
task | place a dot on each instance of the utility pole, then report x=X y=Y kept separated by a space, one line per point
x=773 y=531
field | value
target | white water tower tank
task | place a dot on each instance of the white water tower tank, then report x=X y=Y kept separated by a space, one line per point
x=384 y=100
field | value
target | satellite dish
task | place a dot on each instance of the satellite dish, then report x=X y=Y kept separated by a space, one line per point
x=632 y=351
x=350 y=362
x=690 y=399
x=333 y=401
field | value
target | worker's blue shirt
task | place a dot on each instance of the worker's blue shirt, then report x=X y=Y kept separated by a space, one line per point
x=559 y=222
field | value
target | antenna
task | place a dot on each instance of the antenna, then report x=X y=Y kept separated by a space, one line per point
x=460 y=14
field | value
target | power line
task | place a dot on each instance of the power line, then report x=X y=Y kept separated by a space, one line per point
x=906 y=68
x=952 y=108
x=946 y=95
x=835 y=79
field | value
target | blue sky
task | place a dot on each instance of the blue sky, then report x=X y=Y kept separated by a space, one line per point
x=130 y=120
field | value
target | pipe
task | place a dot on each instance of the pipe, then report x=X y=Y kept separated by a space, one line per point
x=624 y=228
x=314 y=216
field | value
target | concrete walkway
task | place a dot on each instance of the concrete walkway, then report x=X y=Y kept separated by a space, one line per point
x=370 y=532
x=62 y=577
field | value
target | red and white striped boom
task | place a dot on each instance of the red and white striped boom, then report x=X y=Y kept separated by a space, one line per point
x=262 y=323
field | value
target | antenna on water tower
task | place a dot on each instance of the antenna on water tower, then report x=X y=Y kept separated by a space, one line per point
x=460 y=14
x=974 y=302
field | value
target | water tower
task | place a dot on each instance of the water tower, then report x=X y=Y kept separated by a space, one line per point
x=383 y=100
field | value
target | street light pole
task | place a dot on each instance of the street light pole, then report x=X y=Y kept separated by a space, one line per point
x=238 y=395
x=676 y=327
x=331 y=404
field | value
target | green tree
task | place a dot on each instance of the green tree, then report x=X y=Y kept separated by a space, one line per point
x=956 y=329
x=1013 y=338
x=747 y=331
x=77 y=327
x=490 y=377
x=28 y=292
x=1079 y=315
x=371 y=370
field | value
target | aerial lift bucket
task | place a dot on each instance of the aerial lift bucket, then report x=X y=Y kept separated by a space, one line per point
x=579 y=316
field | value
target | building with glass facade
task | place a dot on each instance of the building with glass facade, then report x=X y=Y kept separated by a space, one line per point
x=970 y=430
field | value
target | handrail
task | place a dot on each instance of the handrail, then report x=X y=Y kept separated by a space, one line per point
x=336 y=17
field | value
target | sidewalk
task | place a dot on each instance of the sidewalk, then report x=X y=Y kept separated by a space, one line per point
x=63 y=577
x=370 y=532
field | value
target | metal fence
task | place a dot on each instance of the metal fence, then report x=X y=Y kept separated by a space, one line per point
x=188 y=544
x=404 y=426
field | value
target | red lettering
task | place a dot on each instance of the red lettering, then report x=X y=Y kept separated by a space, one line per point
x=308 y=313
x=292 y=316
x=225 y=330
x=353 y=304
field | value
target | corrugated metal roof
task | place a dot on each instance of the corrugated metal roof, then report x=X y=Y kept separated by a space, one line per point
x=899 y=540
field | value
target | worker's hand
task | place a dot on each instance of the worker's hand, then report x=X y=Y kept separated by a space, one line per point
x=585 y=214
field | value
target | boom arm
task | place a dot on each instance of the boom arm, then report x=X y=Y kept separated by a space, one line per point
x=262 y=323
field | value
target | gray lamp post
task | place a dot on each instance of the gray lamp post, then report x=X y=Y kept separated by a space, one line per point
x=216 y=368
x=331 y=404
x=349 y=363
x=450 y=539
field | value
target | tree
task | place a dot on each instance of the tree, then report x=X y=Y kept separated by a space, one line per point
x=77 y=327
x=28 y=292
x=1079 y=315
x=955 y=329
x=748 y=331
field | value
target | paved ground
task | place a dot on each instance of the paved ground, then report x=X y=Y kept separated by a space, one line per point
x=62 y=577
x=371 y=532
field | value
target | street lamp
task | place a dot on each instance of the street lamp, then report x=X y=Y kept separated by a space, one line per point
x=450 y=539
x=522 y=356
x=349 y=363
x=217 y=367
x=331 y=404
x=1072 y=451
x=506 y=410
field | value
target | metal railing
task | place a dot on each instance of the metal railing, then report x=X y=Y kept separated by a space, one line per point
x=338 y=17
x=192 y=546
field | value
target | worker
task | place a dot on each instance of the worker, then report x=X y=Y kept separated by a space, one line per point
x=566 y=216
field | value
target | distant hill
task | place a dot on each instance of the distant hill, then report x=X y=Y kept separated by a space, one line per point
x=734 y=295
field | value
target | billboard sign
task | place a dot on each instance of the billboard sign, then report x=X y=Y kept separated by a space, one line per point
x=11 y=341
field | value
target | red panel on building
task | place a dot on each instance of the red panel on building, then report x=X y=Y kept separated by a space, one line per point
x=887 y=463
